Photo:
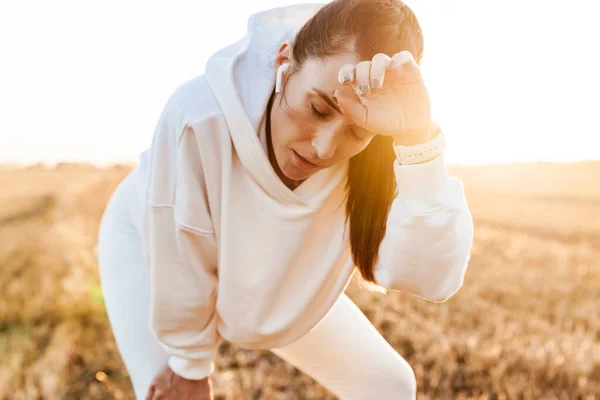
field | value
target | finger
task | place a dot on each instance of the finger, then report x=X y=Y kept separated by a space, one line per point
x=346 y=74
x=378 y=65
x=362 y=77
x=158 y=395
x=150 y=393
x=404 y=59
x=350 y=104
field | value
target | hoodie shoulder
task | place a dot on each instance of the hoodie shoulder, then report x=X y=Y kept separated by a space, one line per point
x=192 y=101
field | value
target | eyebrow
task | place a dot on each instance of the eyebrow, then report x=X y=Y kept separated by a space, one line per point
x=328 y=100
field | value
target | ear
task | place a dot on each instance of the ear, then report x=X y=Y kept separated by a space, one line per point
x=285 y=54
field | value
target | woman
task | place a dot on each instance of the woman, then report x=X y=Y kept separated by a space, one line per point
x=306 y=150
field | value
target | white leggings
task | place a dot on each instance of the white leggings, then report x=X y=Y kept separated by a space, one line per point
x=344 y=352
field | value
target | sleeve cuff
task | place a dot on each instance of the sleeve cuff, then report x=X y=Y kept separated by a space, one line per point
x=422 y=187
x=191 y=369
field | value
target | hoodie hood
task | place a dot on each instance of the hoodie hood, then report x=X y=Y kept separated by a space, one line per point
x=242 y=77
x=250 y=62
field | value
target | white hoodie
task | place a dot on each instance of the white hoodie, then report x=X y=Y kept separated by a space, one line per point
x=233 y=253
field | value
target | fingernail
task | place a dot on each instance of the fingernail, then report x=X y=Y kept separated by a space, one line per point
x=375 y=83
x=363 y=88
x=345 y=78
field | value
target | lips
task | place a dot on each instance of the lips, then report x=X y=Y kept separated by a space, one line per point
x=303 y=163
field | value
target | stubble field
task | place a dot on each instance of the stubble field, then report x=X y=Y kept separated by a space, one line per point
x=526 y=324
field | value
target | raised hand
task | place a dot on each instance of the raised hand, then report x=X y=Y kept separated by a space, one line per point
x=386 y=96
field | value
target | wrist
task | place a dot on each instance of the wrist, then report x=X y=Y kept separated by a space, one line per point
x=421 y=152
x=414 y=137
x=191 y=369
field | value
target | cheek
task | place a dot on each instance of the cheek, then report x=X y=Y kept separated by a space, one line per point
x=301 y=126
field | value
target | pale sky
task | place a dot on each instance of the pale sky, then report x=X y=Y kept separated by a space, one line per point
x=512 y=80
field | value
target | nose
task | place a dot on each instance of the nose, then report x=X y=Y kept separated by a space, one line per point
x=324 y=143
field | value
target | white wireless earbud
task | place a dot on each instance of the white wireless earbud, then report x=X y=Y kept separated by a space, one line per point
x=282 y=68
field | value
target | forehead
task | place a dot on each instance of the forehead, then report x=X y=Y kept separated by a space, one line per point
x=322 y=73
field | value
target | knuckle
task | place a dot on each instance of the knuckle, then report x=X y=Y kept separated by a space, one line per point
x=402 y=58
x=362 y=69
x=381 y=58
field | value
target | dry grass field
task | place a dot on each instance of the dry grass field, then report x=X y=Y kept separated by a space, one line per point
x=526 y=324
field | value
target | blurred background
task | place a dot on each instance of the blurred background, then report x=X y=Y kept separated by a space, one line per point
x=515 y=86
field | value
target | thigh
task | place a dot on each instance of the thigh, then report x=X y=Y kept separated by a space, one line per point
x=347 y=355
x=125 y=285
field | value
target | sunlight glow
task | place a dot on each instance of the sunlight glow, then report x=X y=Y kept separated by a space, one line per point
x=80 y=81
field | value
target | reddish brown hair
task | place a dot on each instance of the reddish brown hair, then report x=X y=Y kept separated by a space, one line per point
x=364 y=27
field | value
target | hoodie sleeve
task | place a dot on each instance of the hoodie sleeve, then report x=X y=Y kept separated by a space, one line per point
x=429 y=233
x=182 y=257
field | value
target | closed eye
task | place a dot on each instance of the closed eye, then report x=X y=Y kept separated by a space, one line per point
x=323 y=116
x=317 y=113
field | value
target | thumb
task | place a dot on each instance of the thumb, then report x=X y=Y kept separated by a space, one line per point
x=351 y=104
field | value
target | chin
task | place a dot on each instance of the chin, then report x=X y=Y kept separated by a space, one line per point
x=294 y=173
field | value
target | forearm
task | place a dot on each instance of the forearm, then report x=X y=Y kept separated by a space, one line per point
x=429 y=233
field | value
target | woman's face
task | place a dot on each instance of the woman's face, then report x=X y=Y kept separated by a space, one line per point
x=308 y=131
